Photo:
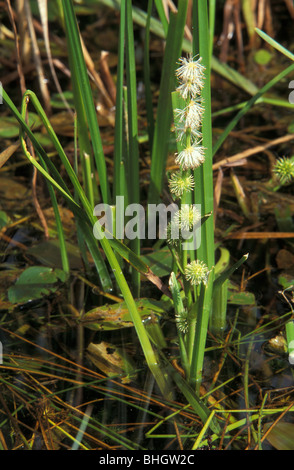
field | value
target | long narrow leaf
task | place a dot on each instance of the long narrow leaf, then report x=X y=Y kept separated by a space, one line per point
x=133 y=154
x=147 y=83
x=99 y=262
x=204 y=175
x=80 y=71
x=118 y=188
x=193 y=399
x=59 y=227
x=275 y=44
x=173 y=50
x=198 y=349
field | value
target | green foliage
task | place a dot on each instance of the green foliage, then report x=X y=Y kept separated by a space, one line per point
x=194 y=307
x=34 y=283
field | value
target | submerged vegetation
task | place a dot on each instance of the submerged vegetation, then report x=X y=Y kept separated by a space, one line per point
x=115 y=336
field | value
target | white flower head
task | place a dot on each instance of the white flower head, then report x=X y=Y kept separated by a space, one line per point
x=191 y=157
x=182 y=130
x=187 y=217
x=191 y=77
x=191 y=70
x=192 y=114
x=197 y=272
x=190 y=89
x=189 y=120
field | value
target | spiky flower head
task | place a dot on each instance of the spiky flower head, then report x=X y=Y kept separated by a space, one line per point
x=189 y=120
x=191 y=114
x=187 y=217
x=284 y=169
x=190 y=89
x=191 y=157
x=181 y=183
x=191 y=77
x=182 y=130
x=182 y=224
x=191 y=70
x=197 y=272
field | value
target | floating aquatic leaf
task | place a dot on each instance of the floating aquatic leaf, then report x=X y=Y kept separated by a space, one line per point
x=35 y=282
x=241 y=298
x=116 y=316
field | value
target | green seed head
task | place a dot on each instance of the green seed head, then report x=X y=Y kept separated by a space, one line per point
x=182 y=321
x=180 y=183
x=284 y=169
x=196 y=272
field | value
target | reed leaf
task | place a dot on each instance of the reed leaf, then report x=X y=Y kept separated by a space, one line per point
x=83 y=95
x=133 y=179
x=161 y=140
x=274 y=44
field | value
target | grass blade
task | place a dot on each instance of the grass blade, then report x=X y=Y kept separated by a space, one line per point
x=199 y=407
x=118 y=187
x=275 y=44
x=83 y=93
x=164 y=111
x=147 y=83
x=133 y=154
x=204 y=175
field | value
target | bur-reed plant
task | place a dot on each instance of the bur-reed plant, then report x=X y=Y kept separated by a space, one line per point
x=205 y=297
x=205 y=288
x=202 y=302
